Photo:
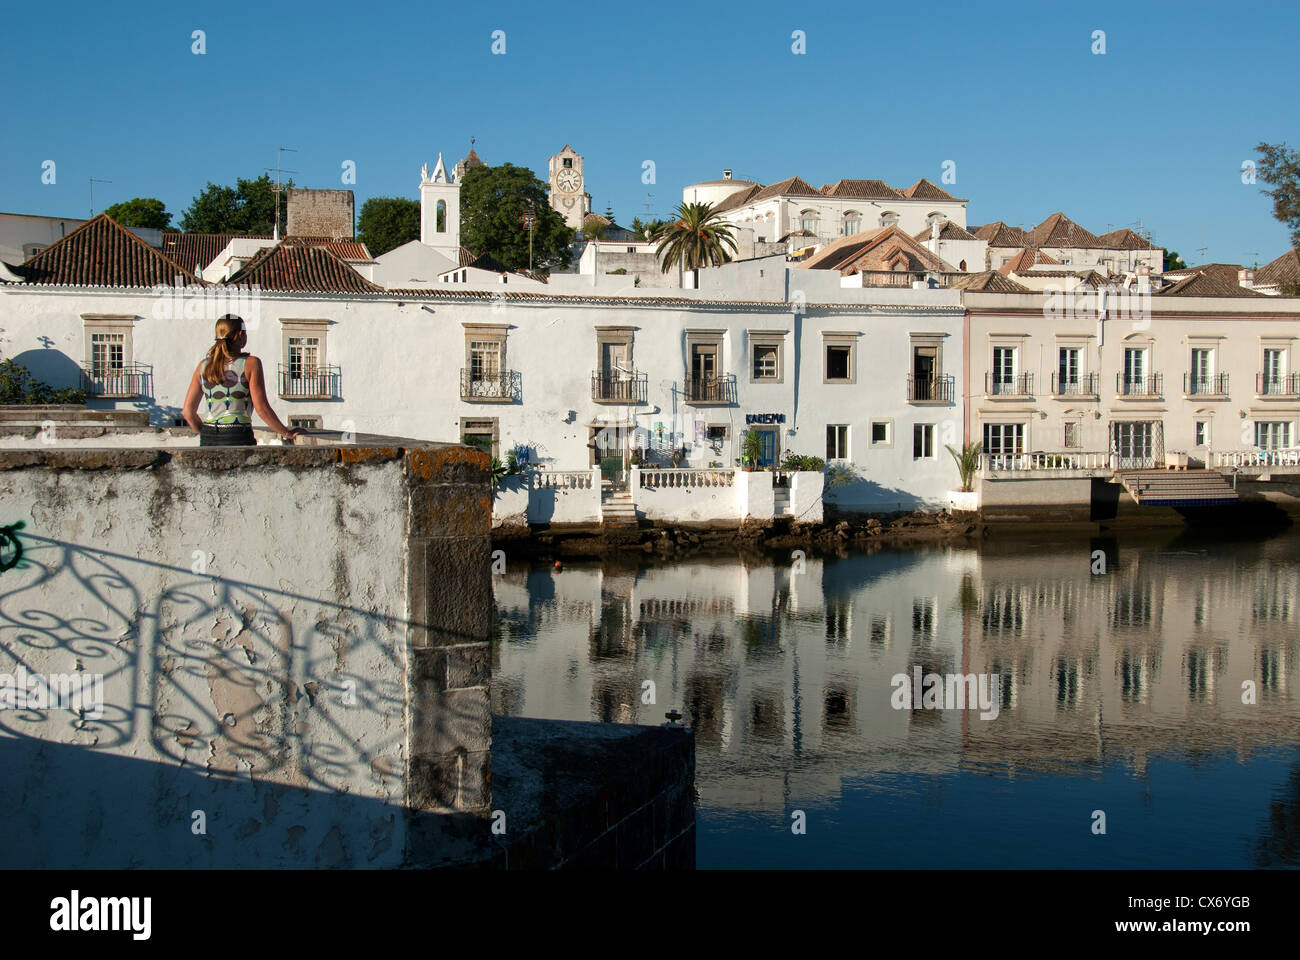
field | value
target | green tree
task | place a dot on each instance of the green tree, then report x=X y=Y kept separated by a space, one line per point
x=1173 y=261
x=643 y=228
x=493 y=201
x=18 y=386
x=593 y=228
x=141 y=212
x=699 y=237
x=248 y=207
x=1279 y=167
x=388 y=222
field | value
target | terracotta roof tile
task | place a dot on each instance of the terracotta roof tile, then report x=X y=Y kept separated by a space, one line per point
x=102 y=253
x=189 y=249
x=1212 y=280
x=1126 y=239
x=923 y=189
x=949 y=231
x=998 y=234
x=301 y=267
x=343 y=249
x=988 y=281
x=1284 y=271
x=862 y=190
x=1060 y=231
x=875 y=251
x=738 y=199
x=1025 y=259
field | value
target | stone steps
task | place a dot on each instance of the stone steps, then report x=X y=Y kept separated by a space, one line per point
x=1182 y=488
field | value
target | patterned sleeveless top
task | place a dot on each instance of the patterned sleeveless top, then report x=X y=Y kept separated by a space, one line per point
x=229 y=402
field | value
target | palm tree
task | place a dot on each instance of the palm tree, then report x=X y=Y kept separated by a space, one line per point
x=698 y=237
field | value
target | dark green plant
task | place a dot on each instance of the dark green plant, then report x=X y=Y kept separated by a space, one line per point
x=17 y=386
x=751 y=448
x=796 y=461
x=968 y=461
x=388 y=222
x=697 y=238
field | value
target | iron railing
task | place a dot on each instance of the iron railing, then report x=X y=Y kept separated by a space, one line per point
x=1078 y=385
x=1275 y=385
x=711 y=389
x=309 y=383
x=500 y=386
x=1152 y=385
x=937 y=389
x=116 y=380
x=619 y=387
x=1000 y=385
x=1195 y=384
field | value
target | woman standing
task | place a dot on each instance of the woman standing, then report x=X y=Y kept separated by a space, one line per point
x=231 y=383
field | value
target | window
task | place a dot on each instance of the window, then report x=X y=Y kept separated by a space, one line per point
x=1273 y=434
x=888 y=219
x=1004 y=369
x=705 y=381
x=882 y=433
x=1067 y=369
x=1202 y=371
x=1274 y=371
x=837 y=441
x=838 y=357
x=481 y=434
x=1135 y=365
x=808 y=220
x=1005 y=261
x=440 y=225
x=484 y=359
x=852 y=222
x=107 y=354
x=1004 y=439
x=1202 y=432
x=305 y=421
x=304 y=357
x=568 y=161
x=767 y=355
x=1071 y=440
x=923 y=441
x=716 y=435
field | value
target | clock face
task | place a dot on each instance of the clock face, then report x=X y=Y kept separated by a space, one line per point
x=568 y=180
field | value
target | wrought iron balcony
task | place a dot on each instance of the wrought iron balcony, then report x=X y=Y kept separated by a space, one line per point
x=502 y=386
x=309 y=383
x=1078 y=385
x=711 y=389
x=937 y=389
x=1277 y=385
x=1212 y=386
x=619 y=387
x=1152 y=385
x=116 y=380
x=1000 y=385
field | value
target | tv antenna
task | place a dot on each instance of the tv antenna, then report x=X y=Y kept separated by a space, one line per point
x=275 y=230
x=93 y=181
x=1200 y=251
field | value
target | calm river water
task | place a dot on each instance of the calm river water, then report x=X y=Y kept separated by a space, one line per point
x=1118 y=692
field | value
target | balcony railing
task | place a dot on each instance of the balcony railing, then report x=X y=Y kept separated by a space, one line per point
x=1277 y=385
x=309 y=383
x=499 y=387
x=1046 y=461
x=1130 y=386
x=940 y=389
x=1000 y=385
x=1076 y=385
x=123 y=380
x=711 y=389
x=1197 y=385
x=619 y=387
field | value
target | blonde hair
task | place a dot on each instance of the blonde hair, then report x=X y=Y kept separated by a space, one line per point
x=218 y=357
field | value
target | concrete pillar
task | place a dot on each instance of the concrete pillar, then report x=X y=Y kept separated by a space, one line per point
x=449 y=607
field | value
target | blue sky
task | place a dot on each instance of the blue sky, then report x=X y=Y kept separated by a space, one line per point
x=1155 y=130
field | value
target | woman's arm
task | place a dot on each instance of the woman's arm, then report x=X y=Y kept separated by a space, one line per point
x=191 y=409
x=257 y=389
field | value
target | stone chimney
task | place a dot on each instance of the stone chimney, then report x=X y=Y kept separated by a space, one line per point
x=726 y=174
x=1246 y=278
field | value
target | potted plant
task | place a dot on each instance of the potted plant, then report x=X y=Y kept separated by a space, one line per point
x=751 y=449
x=968 y=461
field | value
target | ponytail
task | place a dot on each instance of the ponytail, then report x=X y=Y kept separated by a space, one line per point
x=219 y=356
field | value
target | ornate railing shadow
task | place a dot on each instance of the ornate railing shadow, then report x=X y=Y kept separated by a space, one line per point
x=240 y=678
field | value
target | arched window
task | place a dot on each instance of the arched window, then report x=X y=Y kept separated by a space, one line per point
x=442 y=216
x=808 y=220
x=962 y=266
x=852 y=222
x=889 y=219
x=934 y=217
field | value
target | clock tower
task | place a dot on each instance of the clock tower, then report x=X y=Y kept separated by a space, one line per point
x=568 y=195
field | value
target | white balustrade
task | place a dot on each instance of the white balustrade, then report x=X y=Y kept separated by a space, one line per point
x=1045 y=461
x=684 y=478
x=562 y=480
x=1257 y=458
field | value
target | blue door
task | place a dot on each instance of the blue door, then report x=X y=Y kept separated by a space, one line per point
x=768 y=457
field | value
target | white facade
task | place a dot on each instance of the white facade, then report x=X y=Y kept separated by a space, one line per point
x=440 y=211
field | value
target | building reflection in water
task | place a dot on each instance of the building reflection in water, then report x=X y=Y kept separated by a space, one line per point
x=786 y=677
